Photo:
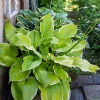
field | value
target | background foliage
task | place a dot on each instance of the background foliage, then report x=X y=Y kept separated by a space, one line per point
x=86 y=12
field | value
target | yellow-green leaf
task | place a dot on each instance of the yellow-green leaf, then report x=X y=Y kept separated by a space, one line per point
x=44 y=76
x=60 y=72
x=62 y=60
x=53 y=92
x=30 y=62
x=17 y=74
x=84 y=65
x=68 y=31
x=24 y=90
x=10 y=31
x=47 y=26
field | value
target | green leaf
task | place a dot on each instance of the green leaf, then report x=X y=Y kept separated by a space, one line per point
x=30 y=62
x=24 y=40
x=16 y=73
x=61 y=15
x=21 y=40
x=47 y=26
x=22 y=25
x=44 y=49
x=24 y=90
x=66 y=90
x=23 y=20
x=84 y=65
x=44 y=76
x=27 y=13
x=35 y=38
x=66 y=40
x=35 y=21
x=79 y=46
x=60 y=72
x=10 y=31
x=68 y=31
x=76 y=54
x=7 y=57
x=56 y=33
x=61 y=47
x=53 y=92
x=50 y=41
x=23 y=31
x=62 y=60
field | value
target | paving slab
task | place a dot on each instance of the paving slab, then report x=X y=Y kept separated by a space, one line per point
x=96 y=78
x=92 y=92
x=77 y=94
x=82 y=80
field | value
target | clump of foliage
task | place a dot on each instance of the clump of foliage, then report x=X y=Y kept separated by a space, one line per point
x=56 y=5
x=87 y=12
x=29 y=20
x=37 y=59
x=87 y=15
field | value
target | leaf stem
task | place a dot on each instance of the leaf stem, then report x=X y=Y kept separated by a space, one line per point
x=50 y=4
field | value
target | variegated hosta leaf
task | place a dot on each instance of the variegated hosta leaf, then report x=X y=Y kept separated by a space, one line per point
x=21 y=40
x=84 y=65
x=44 y=49
x=66 y=90
x=10 y=31
x=56 y=33
x=60 y=72
x=50 y=41
x=62 y=60
x=24 y=40
x=7 y=57
x=66 y=40
x=76 y=54
x=52 y=92
x=68 y=31
x=35 y=21
x=61 y=47
x=45 y=77
x=16 y=73
x=47 y=26
x=22 y=25
x=35 y=38
x=24 y=90
x=30 y=62
x=79 y=46
x=23 y=31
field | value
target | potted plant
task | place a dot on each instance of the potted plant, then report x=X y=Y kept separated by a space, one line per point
x=37 y=59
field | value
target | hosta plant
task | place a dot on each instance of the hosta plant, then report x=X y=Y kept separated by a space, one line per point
x=37 y=59
x=29 y=20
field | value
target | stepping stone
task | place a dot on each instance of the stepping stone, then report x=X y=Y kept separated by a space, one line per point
x=77 y=94
x=82 y=80
x=92 y=92
x=96 y=78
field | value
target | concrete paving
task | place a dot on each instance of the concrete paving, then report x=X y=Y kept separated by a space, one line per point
x=92 y=92
x=86 y=87
x=77 y=94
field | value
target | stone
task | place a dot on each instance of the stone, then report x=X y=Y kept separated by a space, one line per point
x=96 y=78
x=92 y=92
x=82 y=80
x=77 y=94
